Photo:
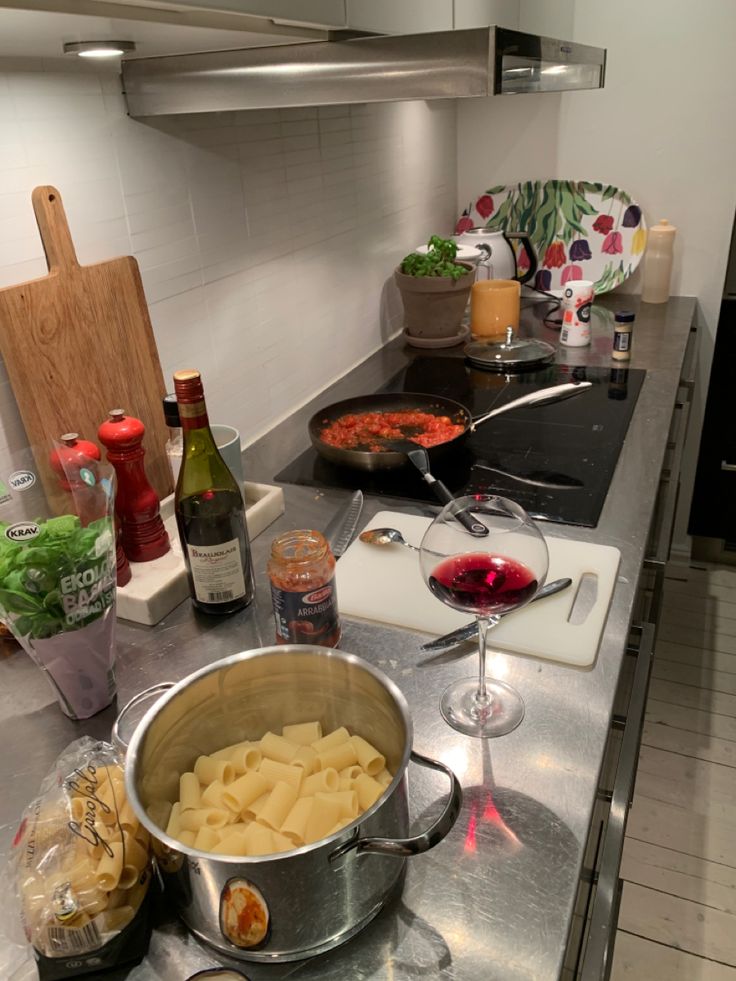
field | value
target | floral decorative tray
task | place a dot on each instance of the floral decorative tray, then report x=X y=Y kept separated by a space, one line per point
x=579 y=229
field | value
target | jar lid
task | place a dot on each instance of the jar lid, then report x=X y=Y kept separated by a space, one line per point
x=510 y=354
x=171 y=411
x=624 y=316
x=663 y=227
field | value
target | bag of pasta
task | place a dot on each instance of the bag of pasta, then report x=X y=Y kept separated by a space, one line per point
x=81 y=865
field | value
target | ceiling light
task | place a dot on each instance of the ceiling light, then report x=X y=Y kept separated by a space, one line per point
x=98 y=49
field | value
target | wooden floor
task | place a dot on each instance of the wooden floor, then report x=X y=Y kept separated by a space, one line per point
x=678 y=910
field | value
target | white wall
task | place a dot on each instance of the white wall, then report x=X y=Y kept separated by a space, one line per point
x=551 y=18
x=264 y=240
x=662 y=128
x=480 y=13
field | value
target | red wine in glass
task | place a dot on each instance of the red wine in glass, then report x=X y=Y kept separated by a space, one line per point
x=481 y=583
x=489 y=580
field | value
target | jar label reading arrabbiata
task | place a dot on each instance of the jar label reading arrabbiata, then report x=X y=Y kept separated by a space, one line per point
x=217 y=572
x=305 y=618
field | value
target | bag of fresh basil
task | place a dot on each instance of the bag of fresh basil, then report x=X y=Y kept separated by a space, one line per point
x=57 y=572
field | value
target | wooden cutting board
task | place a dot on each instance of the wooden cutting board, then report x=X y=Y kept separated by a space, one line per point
x=78 y=343
x=385 y=584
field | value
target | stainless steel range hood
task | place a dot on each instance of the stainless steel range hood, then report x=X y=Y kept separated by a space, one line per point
x=444 y=65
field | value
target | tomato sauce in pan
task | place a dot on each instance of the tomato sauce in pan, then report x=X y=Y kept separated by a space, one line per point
x=365 y=430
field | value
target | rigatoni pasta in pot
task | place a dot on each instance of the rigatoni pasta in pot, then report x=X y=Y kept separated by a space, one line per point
x=279 y=804
x=290 y=874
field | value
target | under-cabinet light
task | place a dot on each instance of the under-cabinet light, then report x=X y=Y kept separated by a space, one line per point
x=99 y=49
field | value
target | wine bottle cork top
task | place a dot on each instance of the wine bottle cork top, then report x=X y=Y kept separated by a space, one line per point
x=188 y=385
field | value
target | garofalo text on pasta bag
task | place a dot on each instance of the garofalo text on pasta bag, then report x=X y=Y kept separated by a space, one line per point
x=57 y=574
x=81 y=866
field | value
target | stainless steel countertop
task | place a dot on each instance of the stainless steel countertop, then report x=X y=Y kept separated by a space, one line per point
x=494 y=900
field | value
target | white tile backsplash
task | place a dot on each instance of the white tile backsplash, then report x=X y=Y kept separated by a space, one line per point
x=266 y=240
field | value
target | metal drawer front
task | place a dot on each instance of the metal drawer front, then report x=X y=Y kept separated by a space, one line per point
x=598 y=956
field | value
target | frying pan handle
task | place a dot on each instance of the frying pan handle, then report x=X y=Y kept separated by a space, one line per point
x=545 y=395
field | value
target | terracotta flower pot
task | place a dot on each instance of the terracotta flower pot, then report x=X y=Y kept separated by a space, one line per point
x=434 y=305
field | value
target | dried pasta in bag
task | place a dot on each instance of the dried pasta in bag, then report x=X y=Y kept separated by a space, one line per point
x=81 y=867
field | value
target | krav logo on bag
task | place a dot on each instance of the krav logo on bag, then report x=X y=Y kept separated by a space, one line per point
x=22 y=531
x=22 y=480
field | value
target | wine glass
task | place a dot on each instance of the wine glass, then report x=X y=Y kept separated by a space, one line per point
x=488 y=576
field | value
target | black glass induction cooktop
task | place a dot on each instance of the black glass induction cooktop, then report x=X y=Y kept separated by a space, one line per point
x=556 y=460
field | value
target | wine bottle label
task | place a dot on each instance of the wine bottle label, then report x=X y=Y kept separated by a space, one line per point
x=305 y=618
x=217 y=571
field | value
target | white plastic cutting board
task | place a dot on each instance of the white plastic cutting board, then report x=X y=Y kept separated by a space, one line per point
x=385 y=584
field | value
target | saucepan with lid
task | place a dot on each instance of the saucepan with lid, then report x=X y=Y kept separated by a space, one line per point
x=314 y=897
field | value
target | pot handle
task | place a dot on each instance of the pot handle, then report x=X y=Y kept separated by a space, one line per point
x=401 y=847
x=554 y=394
x=116 y=738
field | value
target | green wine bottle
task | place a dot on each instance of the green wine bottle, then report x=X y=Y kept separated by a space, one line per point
x=210 y=512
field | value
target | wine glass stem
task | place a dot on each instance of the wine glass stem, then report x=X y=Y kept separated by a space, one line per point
x=481 y=696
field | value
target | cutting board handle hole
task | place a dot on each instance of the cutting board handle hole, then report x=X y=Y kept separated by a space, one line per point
x=585 y=599
x=52 y=197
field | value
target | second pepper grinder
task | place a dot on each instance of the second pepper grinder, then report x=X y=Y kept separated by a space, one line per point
x=68 y=461
x=142 y=530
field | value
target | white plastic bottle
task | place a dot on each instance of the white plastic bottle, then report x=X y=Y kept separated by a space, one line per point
x=658 y=262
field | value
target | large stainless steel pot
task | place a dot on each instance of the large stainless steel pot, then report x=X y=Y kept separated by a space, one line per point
x=317 y=896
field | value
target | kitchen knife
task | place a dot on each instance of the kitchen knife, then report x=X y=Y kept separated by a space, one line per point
x=471 y=629
x=342 y=527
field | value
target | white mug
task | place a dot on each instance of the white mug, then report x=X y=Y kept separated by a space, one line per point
x=227 y=440
x=577 y=299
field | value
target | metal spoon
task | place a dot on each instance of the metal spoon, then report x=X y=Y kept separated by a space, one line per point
x=385 y=536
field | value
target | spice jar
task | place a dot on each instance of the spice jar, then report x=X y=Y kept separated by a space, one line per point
x=623 y=326
x=302 y=574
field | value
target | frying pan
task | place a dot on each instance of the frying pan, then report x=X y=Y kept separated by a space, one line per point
x=400 y=451
x=390 y=459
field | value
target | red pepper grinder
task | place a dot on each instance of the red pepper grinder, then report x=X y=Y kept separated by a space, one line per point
x=73 y=456
x=136 y=502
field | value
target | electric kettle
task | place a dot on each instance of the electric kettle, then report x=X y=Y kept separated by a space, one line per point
x=500 y=258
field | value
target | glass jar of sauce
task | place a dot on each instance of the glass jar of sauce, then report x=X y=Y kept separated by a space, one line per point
x=302 y=574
